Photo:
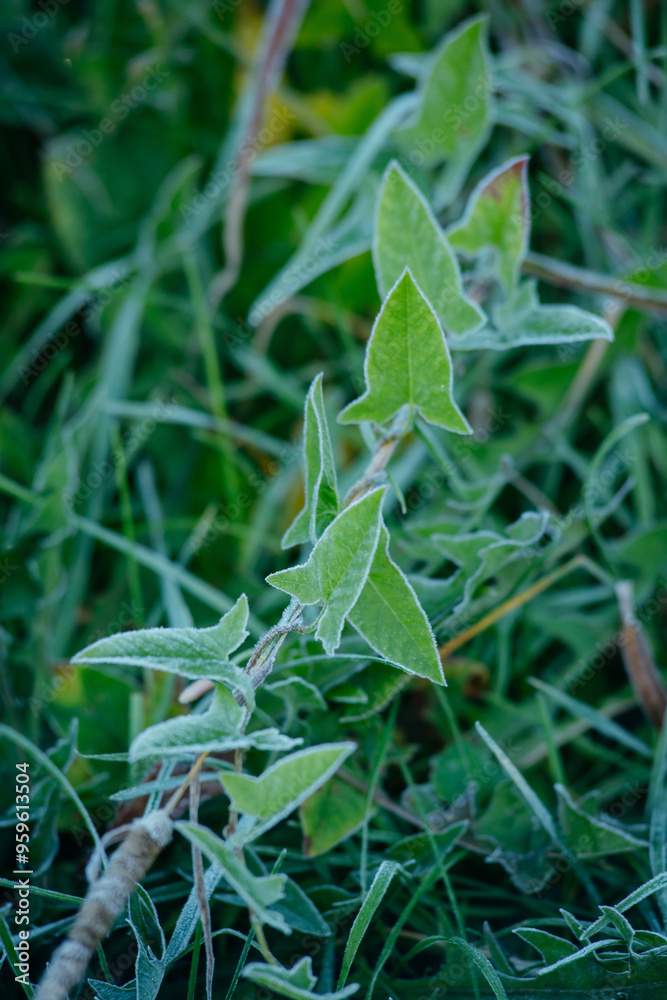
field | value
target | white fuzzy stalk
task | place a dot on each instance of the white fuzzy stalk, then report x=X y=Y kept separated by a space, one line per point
x=105 y=901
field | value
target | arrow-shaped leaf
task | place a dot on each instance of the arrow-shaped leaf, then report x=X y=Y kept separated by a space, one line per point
x=337 y=568
x=217 y=730
x=521 y=321
x=408 y=235
x=285 y=785
x=390 y=618
x=190 y=652
x=497 y=217
x=407 y=364
x=321 y=503
x=257 y=892
x=456 y=106
x=296 y=983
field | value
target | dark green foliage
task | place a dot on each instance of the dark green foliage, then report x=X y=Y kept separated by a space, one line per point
x=152 y=461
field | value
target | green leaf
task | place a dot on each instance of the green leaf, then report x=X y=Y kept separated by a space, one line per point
x=149 y=968
x=536 y=806
x=216 y=730
x=257 y=892
x=407 y=364
x=456 y=105
x=408 y=235
x=300 y=912
x=297 y=695
x=483 y=964
x=321 y=489
x=337 y=568
x=189 y=652
x=522 y=321
x=591 y=837
x=657 y=884
x=296 y=983
x=285 y=785
x=497 y=218
x=374 y=897
x=482 y=554
x=330 y=815
x=390 y=618
x=550 y=947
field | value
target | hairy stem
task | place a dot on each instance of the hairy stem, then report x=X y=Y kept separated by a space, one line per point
x=556 y=272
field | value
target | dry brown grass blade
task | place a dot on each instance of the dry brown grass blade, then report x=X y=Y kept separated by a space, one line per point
x=638 y=659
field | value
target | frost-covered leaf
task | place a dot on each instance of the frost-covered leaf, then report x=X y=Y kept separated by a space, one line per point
x=497 y=218
x=374 y=897
x=481 y=554
x=257 y=892
x=484 y=965
x=296 y=983
x=456 y=102
x=189 y=652
x=408 y=235
x=108 y=991
x=337 y=568
x=592 y=837
x=300 y=912
x=149 y=968
x=330 y=815
x=407 y=364
x=315 y=161
x=391 y=620
x=550 y=947
x=216 y=730
x=523 y=321
x=321 y=489
x=282 y=788
x=655 y=884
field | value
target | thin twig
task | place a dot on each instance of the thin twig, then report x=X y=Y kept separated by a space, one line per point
x=578 y=562
x=200 y=889
x=281 y=26
x=638 y=659
x=556 y=272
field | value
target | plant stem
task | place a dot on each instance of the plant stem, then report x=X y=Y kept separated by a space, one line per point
x=557 y=272
x=261 y=939
x=578 y=562
x=378 y=463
